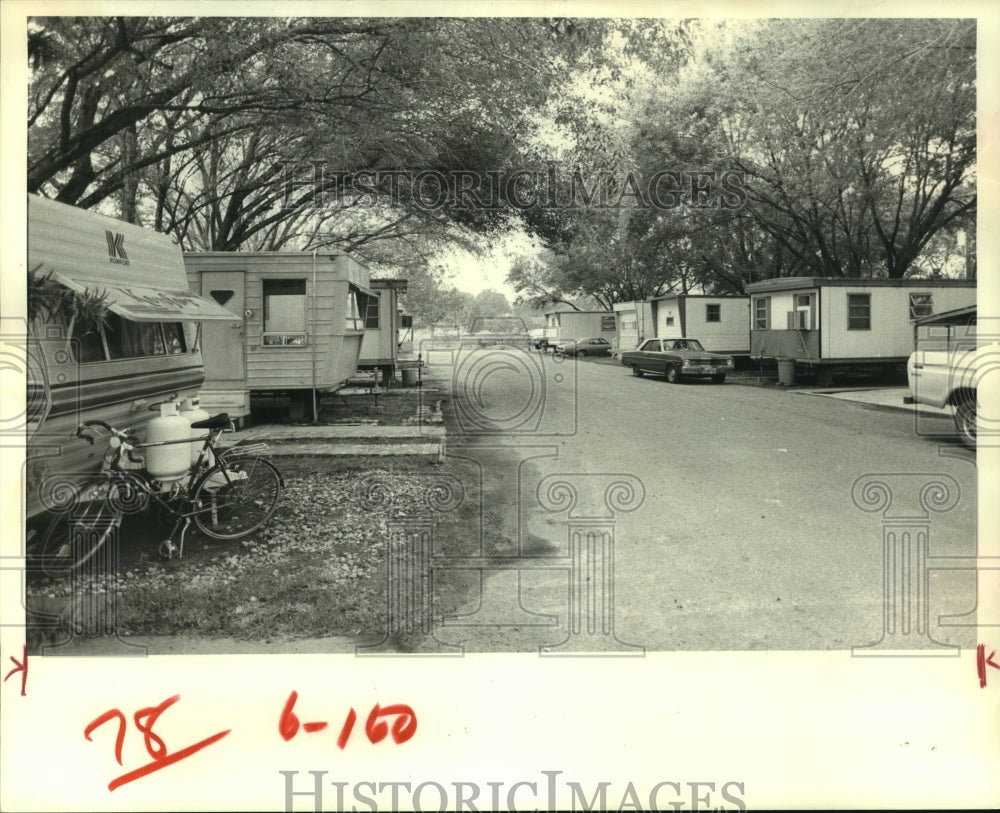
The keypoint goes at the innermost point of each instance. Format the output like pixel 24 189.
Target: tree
pixel 188 123
pixel 857 137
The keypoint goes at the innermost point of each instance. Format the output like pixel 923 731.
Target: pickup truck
pixel 675 359
pixel 542 338
pixel 491 331
pixel 949 377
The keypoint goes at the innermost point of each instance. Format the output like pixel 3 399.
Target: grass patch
pixel 317 569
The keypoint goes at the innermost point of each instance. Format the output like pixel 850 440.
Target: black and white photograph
pixel 521 407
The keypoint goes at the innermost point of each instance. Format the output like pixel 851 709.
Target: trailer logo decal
pixel 116 247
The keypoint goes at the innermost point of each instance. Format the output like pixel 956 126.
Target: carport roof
pixel 956 316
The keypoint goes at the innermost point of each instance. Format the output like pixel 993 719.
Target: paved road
pixel 747 536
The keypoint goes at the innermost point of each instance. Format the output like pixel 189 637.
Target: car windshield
pixel 685 344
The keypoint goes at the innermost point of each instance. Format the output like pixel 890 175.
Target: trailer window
pixel 859 312
pixel 921 305
pixel 173 334
pixel 369 304
pixel 120 338
pixel 284 312
pixel 128 339
pixel 88 345
pixel 713 313
pixel 762 312
pixel 353 320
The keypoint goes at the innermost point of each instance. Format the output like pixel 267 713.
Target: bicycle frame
pixel 179 495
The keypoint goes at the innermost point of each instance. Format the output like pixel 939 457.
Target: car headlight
pixel 729 362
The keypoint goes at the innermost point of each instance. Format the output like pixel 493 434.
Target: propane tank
pixel 170 461
pixel 191 409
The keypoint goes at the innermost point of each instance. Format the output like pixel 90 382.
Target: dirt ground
pixel 312 579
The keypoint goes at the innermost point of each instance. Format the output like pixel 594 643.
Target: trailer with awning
pixel 114 330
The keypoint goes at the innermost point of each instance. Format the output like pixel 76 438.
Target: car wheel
pixel 673 376
pixel 636 371
pixel 965 420
pixel 718 379
pixel 582 354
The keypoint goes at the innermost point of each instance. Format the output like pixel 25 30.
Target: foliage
pixel 49 300
pixel 853 143
pixel 189 124
pixel 857 137
pixel 854 140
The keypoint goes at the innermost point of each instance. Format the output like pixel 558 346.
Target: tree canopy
pixel 667 155
pixel 849 147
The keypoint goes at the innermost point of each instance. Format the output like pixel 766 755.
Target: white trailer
pixel 300 326
pixel 386 327
pixel 633 323
pixel 720 323
pixel 825 323
pixel 578 325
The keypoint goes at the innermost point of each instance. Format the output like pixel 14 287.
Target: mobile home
pixel 824 323
pixel 720 323
pixel 578 325
pixel 633 323
pixel 386 329
pixel 138 344
pixel 300 330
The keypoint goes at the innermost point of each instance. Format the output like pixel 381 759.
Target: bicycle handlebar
pixel 103 425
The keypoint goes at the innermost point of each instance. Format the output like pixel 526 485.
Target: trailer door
pixel 223 346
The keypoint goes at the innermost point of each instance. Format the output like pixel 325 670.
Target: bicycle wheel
pixel 236 497
pixel 72 537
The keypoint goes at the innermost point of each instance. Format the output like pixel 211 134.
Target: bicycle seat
pixel 220 421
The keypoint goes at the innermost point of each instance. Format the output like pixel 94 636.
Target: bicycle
pixel 228 492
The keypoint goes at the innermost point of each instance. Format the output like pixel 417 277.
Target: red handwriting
pixel 145 719
pixel 404 726
pixel 22 667
pixel 982 661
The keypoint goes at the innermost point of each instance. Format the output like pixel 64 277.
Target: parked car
pixel 948 377
pixel 595 346
pixel 677 358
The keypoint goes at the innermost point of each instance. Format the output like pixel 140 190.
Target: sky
pixel 474 273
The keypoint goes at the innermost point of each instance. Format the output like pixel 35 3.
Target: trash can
pixel 786 372
pixel 409 376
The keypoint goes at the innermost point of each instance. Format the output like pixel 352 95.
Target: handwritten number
pixel 403 727
pixel 145 719
pixel 155 746
pixel 345 732
pixel 288 723
pixel 111 714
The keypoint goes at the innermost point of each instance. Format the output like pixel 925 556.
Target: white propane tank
pixel 170 461
pixel 191 409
